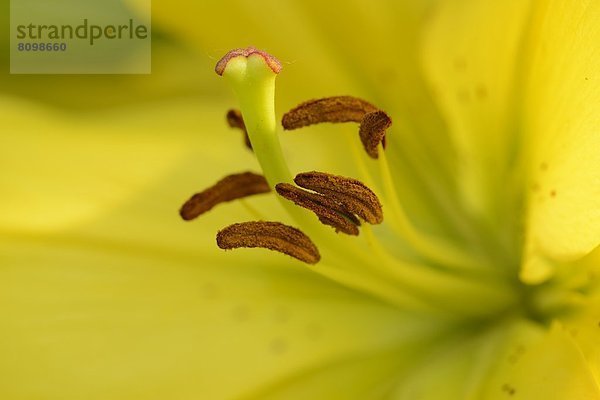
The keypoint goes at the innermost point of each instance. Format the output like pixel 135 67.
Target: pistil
pixel 251 74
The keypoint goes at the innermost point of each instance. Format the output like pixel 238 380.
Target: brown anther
pixel 372 131
pixel 230 188
pixel 271 61
pixel 355 196
pixel 329 109
pixel 269 235
pixel 235 120
pixel 373 122
pixel 328 210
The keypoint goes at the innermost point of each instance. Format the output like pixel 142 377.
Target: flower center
pixel 412 270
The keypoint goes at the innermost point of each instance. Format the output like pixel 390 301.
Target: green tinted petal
pixel 562 114
pixel 462 365
pixel 364 377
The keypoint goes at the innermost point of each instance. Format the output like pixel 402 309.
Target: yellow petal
pixel 584 327
pixel 552 368
pixel 562 114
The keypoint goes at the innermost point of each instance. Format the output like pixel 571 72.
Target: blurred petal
pixel 563 115
pixel 63 169
pixel 86 318
pixel 470 56
pixel 277 27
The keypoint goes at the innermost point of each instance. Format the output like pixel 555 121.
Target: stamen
pixel 356 197
pixel 230 188
pixel 235 120
pixel 373 122
pixel 328 210
pixel 329 109
pixel 269 235
pixel 372 131
pixel 271 61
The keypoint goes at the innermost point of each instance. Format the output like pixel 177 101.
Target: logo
pixel 80 37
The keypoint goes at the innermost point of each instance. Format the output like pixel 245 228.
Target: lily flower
pixel 435 242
